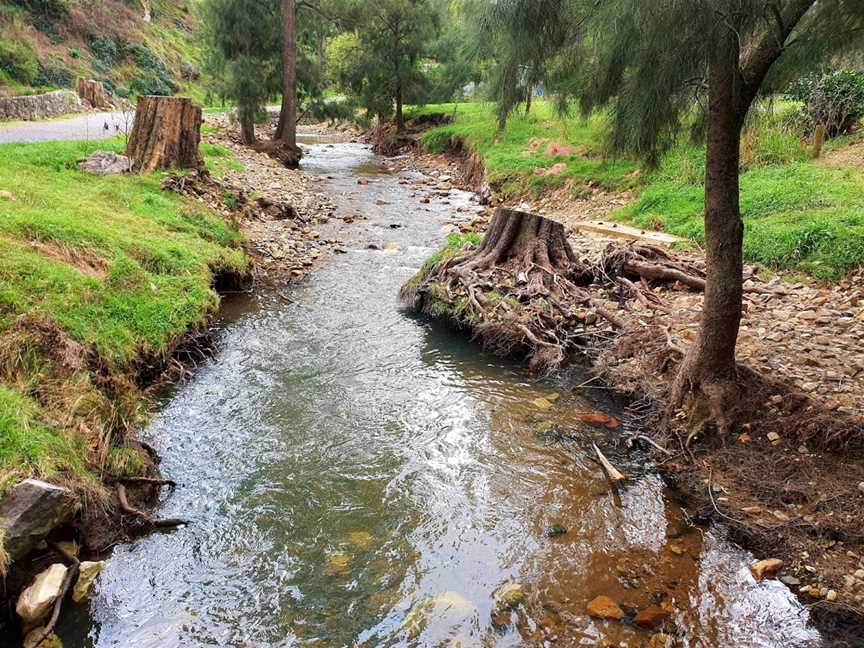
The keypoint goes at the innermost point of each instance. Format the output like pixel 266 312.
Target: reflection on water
pixel 357 477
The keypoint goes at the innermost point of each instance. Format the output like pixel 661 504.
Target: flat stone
pixel 604 607
pixel 36 600
pixel 508 597
pixel 30 511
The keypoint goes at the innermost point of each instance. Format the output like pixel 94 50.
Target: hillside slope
pixel 135 46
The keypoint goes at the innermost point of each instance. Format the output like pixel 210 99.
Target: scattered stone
pixel 604 607
pixel 773 437
pixel 89 571
pixel 30 511
pixel 861 487
pixel 104 163
pixel 392 246
pixel 35 602
pixel 652 617
pixel 554 531
pixel 831 596
pixel 766 568
pixel 791 581
pixel 677 549
pixel 362 181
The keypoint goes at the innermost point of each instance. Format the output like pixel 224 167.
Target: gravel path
pixel 87 126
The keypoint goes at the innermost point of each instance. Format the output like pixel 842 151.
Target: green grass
pixel 120 265
pixel 30 448
pixel 799 215
pixel 513 158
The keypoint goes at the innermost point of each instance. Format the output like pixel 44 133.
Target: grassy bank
pixel 798 214
pixel 99 277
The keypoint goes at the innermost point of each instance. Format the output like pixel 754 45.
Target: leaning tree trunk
pixel 285 139
pixel 166 134
pixel 709 370
pixel 93 92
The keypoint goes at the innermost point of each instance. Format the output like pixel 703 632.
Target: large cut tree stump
pixel 166 134
pixel 93 92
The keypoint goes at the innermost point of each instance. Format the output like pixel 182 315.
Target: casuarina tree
pixel 655 63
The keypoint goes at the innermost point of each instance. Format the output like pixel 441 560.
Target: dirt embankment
pixel 789 483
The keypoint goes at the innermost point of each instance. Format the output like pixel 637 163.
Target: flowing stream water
pixel 358 477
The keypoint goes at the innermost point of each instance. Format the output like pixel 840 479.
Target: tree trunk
pixel 93 92
pixel 400 116
pixel 285 138
pixel 529 95
pixel 247 129
pixel 709 368
pixel 166 134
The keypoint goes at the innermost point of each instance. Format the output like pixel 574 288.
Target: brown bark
pixel 285 138
pixel 247 130
pixel 93 92
pixel 709 369
pixel 400 113
pixel 166 134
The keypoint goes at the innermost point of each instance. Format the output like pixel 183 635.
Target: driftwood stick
pixel 145 517
pixel 615 476
pixel 71 577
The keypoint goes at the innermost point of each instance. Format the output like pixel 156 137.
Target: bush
pixel 835 99
pixel 51 9
pixel 53 77
pixel 74 53
pixel 156 79
pixel 104 49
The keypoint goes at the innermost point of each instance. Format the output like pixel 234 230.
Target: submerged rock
pixel 652 617
pixel 554 531
pixel 87 576
pixel 51 641
pixel 35 602
pixel 29 512
pixel 448 606
pixel 508 597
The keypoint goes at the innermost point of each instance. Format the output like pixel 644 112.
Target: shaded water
pixel 356 477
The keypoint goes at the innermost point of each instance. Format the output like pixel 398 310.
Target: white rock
pixel 86 578
pixel 35 602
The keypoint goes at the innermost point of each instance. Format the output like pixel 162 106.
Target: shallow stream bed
pixel 358 477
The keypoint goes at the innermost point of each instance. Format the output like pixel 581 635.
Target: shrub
pixel 156 78
pixel 51 9
pixel 53 77
pixel 74 53
pixel 835 99
pixel 104 49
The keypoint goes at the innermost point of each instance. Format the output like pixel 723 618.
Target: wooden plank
pixel 619 230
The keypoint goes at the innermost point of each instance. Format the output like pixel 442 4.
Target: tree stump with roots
pixel 166 134
pixel 522 288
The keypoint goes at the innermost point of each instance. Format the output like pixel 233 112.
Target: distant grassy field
pixel 798 214
pixel 96 275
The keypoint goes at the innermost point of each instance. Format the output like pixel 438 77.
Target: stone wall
pixel 52 104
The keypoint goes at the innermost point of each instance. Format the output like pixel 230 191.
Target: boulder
pixel 89 571
pixel 30 511
pixel 104 163
pixel 35 602
pixel 603 607
pixel 189 71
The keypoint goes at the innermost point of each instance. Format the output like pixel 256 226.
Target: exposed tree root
pixel 145 518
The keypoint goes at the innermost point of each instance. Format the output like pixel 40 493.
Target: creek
pixel 356 476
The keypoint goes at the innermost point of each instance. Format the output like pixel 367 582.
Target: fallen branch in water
pixel 149 520
pixel 68 579
pixel 615 476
